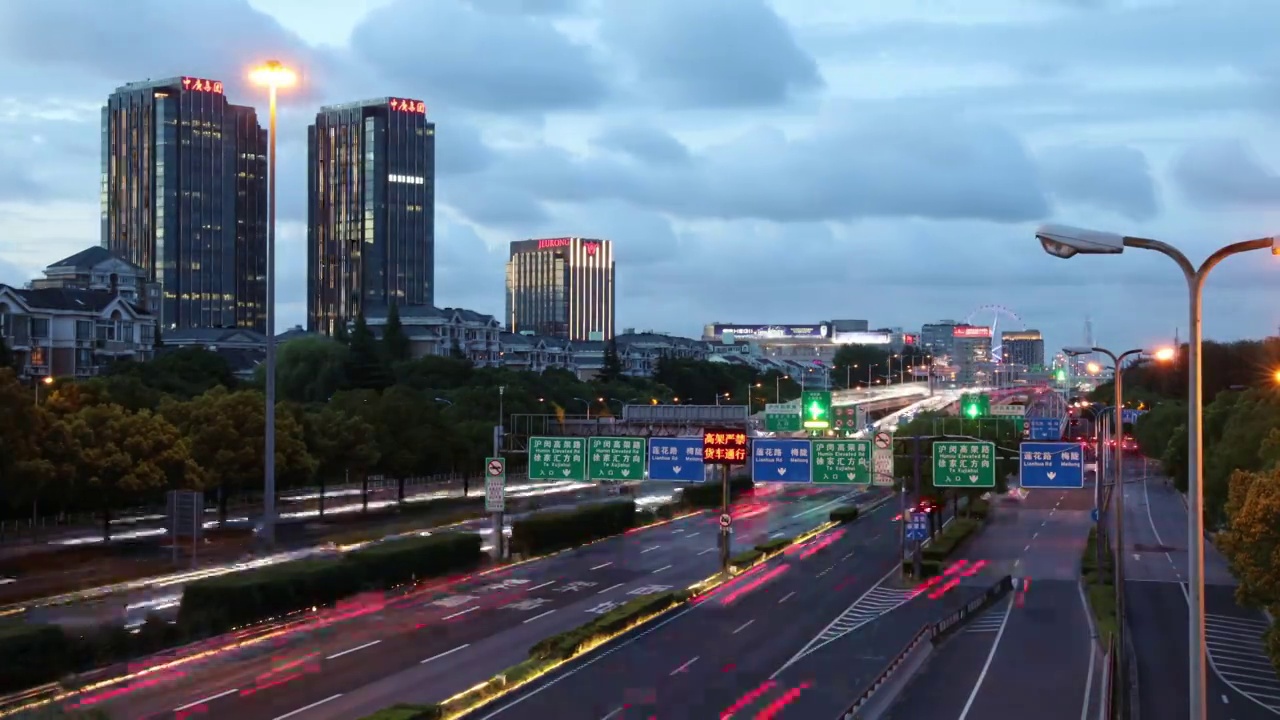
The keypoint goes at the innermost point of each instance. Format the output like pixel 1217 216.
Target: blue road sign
pixel 1044 428
pixel 781 460
pixel 677 459
pixel 917 526
pixel 1094 514
pixel 1052 465
pixel 1129 415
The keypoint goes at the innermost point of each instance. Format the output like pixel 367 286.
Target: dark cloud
pixel 1116 179
pixel 856 167
pixel 485 203
pixel 469 274
pixel 709 53
pixel 644 142
pixel 129 40
pixel 1226 173
pixel 451 53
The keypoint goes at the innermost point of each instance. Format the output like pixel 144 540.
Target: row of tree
pixel 347 408
pixel 1241 432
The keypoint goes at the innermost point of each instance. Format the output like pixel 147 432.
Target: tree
pixel 342 445
pixel 1251 538
pixel 183 372
pixel 6 355
pixel 119 457
pixel 225 431
pixel 310 369
pixel 23 426
pixel 365 369
pixel 395 342
pixel 854 364
pixel 455 350
pixel 611 369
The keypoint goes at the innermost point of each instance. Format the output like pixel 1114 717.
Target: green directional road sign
pixel 964 464
pixel 782 417
pixel 615 458
pixel 553 458
pixel 815 409
pixel 842 461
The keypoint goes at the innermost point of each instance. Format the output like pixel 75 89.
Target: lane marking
pixel 704 552
pixel 539 587
pixel 611 587
pixel 684 667
pixel 458 614
pixel 821 507
pixel 615 712
pixel 535 617
pixel 351 650
pixel 693 534
pixel 603 565
pixel 655 547
pixel 744 626
pixel 784 597
pixel 982 676
pixel 205 701
pixel 664 567
pixel 579 668
pixel 1093 652
pixel 331 698
pixel 446 652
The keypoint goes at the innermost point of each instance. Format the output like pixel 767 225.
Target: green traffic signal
pixel 972 410
pixel 816 411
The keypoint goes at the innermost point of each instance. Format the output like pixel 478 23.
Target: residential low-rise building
pixel 69 332
pixel 446 331
pixel 97 268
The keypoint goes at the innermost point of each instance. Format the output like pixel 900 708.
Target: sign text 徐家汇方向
pixel 723 446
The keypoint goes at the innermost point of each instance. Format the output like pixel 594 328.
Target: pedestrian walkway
pixel 1239 658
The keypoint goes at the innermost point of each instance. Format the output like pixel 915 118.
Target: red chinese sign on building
pixel 721 446
pixel 408 106
pixel 202 85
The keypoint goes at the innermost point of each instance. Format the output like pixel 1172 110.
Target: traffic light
pixel 970 406
pixel 815 409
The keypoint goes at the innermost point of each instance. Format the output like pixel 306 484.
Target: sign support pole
pixel 916 559
pixel 497 517
pixel 724 511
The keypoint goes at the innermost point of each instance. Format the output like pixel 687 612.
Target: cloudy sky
pixel 753 160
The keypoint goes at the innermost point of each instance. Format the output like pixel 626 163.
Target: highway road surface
pixel 440 641
pixel 1033 653
pixel 1242 683
pixel 725 655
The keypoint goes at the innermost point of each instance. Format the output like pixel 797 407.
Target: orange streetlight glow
pixel 1276 375
pixel 1093 368
pixel 273 75
pixel 1164 354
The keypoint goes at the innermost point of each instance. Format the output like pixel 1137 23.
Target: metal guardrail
pixel 935 633
pixel 851 713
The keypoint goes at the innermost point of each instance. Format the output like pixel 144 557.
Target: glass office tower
pixel 184 194
pixel 561 287
pixel 370 210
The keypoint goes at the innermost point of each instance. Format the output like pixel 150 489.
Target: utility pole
pixel 499 540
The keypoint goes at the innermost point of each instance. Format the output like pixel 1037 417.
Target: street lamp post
pixel 1065 242
pixel 273 76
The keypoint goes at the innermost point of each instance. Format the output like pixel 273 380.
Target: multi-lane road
pixel 1033 653
pixel 1242 682
pixel 445 639
pixel 798 638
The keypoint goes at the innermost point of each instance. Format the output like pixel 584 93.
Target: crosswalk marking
pixel 988 623
pixel 1238 656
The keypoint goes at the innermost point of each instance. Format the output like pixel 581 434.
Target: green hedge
pixel 745 558
pixel 407 712
pixel 219 604
pixel 556 530
pixel 978 509
pixel 951 537
pixel 769 547
pixel 711 494
pixel 928 568
pixel 844 514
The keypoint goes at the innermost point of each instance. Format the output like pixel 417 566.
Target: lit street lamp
pixel 1065 242
pixel 273 76
pixel 47 380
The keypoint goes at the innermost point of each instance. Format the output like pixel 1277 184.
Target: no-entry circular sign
pixel 883 440
pixel 495 467
pixel 726 520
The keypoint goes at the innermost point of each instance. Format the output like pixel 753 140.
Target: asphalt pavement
pixel 440 641
pixel 732 654
pixel 1032 654
pixel 1243 685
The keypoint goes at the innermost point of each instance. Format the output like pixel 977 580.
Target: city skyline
pixel 556 147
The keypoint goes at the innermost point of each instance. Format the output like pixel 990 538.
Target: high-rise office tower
pixel 371 169
pixel 562 287
pixel 1022 347
pixel 184 196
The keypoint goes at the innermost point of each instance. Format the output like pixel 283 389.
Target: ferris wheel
pixel 1000 319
